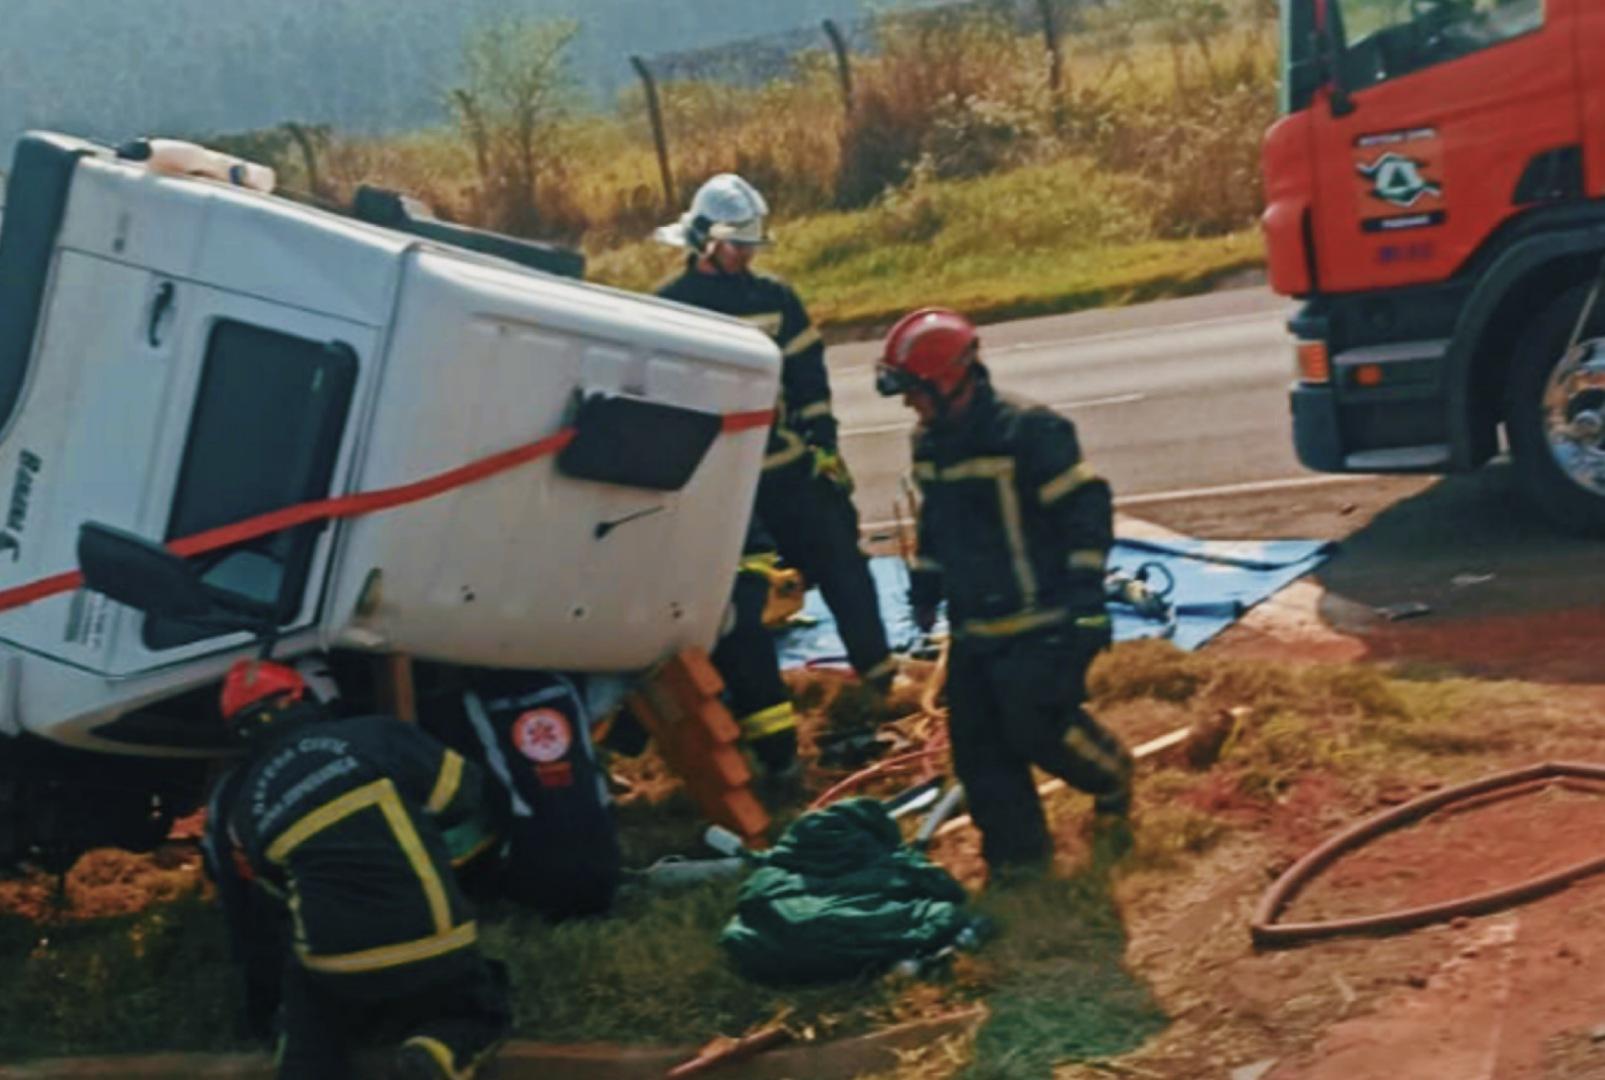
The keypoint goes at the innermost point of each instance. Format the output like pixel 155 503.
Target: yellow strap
pixel 1012 625
pixel 1088 559
pixel 1093 622
pixel 451 775
pixel 805 338
pixel 389 956
pixel 770 721
pixel 924 471
pixel 1066 482
pixel 814 410
pixel 925 565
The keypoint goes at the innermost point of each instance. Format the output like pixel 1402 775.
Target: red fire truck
pixel 1436 196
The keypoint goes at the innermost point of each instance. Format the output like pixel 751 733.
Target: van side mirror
pixel 140 573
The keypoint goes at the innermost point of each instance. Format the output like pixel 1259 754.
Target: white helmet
pixel 724 208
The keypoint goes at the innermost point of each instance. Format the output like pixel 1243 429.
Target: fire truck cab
pixel 1436 196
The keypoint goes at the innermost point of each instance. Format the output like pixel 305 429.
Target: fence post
pixel 656 114
pixel 844 67
pixel 1050 36
pixel 309 155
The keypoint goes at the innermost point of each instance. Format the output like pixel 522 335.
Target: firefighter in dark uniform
pixel 342 825
pixel 805 494
pixel 1014 532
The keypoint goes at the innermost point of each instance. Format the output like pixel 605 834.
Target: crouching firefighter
pixel 329 841
pixel 1014 531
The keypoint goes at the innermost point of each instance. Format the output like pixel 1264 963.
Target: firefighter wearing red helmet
pixel 804 497
pixel 1014 530
pixel 329 850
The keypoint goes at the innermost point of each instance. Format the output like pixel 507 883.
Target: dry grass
pixel 1351 721
pixel 957 178
pixel 949 97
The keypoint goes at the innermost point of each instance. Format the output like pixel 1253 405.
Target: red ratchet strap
pixel 348 506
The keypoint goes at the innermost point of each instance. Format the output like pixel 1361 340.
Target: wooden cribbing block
pixel 393 683
pixel 700 741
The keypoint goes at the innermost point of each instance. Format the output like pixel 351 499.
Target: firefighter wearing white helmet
pixel 724 208
pixel 805 495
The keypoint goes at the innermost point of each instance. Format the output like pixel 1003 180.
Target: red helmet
pixel 260 685
pixel 930 349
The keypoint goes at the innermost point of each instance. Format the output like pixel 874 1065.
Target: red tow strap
pixel 348 506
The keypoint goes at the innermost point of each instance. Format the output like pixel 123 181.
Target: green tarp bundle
pixel 839 895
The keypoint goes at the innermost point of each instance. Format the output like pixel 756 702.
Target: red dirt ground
pixel 1515 995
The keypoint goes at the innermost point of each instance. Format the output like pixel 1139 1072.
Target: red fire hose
pixel 1267 933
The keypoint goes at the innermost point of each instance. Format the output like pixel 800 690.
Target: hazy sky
pixel 109 69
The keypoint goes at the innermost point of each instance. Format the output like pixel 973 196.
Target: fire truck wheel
pixel 1555 415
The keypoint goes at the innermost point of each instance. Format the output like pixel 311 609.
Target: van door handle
pixel 159 307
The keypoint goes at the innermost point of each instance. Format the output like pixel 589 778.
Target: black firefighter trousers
pixel 815 526
pixel 745 659
pixel 1015 703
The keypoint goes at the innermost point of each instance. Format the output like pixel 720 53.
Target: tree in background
pixel 1180 23
pixel 516 90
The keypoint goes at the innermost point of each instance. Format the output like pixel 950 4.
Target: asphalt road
pixel 1182 404
pixel 1168 397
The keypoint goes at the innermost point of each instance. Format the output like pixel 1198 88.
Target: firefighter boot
pixel 423 1057
pixel 1112 837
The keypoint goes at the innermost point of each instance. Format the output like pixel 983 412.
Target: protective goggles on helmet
pixel 895 382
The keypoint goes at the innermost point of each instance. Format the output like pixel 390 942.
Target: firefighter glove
pixel 829 465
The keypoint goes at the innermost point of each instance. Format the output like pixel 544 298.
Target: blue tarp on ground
pixel 1215 582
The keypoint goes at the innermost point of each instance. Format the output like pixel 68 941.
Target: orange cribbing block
pixel 700 741
pixel 690 675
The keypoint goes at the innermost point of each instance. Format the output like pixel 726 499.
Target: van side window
pixel 1387 39
pixel 268 419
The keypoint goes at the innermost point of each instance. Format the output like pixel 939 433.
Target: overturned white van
pixel 177 355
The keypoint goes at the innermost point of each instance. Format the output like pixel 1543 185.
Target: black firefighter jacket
pixel 803 416
pixel 1014 527
pixel 343 818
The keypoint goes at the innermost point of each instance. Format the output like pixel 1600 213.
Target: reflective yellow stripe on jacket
pixel 381 794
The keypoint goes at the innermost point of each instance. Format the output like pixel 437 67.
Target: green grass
pixel 1038 240
pixel 157 980
pixel 1058 988
pixel 653 973
pixel 1053 981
